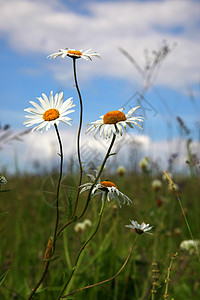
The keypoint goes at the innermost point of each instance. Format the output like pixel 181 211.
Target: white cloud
pixel 43 148
pixel 45 26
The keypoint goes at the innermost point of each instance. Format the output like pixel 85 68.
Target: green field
pixel 30 221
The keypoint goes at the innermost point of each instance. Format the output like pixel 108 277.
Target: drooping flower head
pixel 107 187
pixel 143 228
pixel 114 122
pixel 50 111
pixel 2 180
pixel 87 55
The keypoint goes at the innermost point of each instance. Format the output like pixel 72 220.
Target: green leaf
pixel 41 290
pixel 3 277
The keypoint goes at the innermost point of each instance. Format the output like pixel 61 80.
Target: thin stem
pixel 84 245
pixel 99 174
pixel 78 138
pixel 81 118
pixel 40 281
pixel 109 279
pixel 167 280
pixel 58 187
pixel 47 263
pixel 78 148
pixel 90 191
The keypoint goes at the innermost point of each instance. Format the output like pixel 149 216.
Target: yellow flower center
pixel 113 117
pixel 107 183
pixel 51 114
pixel 74 52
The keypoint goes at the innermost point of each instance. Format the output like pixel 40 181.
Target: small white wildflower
pixel 121 171
pixel 156 185
pixel 143 228
pixel 79 227
pixel 175 187
pixel 164 178
pixel 143 164
pixel 87 223
pixel 190 246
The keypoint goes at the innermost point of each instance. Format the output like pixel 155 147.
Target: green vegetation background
pixel 25 230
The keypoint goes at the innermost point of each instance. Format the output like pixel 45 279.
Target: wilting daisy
pixel 114 121
pixel 50 111
pixel 107 187
pixel 2 180
pixel 74 54
pixel 143 228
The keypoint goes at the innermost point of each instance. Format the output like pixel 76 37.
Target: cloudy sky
pixel 31 30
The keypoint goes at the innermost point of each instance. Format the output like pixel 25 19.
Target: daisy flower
pixel 139 228
pixel 74 54
pixel 114 121
pixel 50 111
pixel 2 180
pixel 107 187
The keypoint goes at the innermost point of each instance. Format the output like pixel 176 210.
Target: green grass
pixel 25 230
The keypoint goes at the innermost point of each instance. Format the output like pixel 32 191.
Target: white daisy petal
pixel 87 55
pixel 51 111
pixel 115 121
pixel 107 187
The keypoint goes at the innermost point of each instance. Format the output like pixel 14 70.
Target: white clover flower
pixel 87 55
pixel 50 111
pixel 87 223
pixel 79 227
pixel 2 179
pixel 190 246
pixel 107 187
pixel 156 185
pixel 121 171
pixel 143 228
pixel 114 121
pixel 173 188
pixel 143 164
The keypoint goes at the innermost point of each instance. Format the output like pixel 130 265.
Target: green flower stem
pixel 78 138
pixel 109 279
pixel 58 187
pixel 83 247
pixel 40 281
pixel 78 149
pixel 90 191
pixel 47 263
pixel 99 174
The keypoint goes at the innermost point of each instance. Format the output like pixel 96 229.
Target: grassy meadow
pixel 30 222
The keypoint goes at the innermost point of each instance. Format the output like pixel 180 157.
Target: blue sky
pixel 31 30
